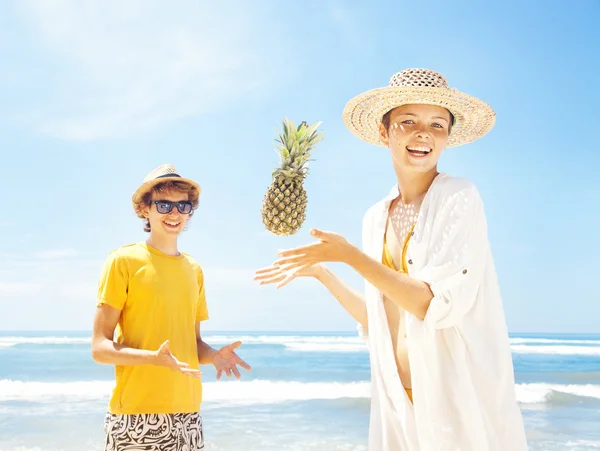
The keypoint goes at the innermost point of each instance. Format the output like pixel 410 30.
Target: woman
pixel 441 368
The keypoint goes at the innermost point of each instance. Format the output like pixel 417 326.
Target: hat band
pixel 168 175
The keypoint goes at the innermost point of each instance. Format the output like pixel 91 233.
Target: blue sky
pixel 96 94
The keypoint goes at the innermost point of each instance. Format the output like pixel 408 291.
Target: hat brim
pixel 473 117
pixel 147 186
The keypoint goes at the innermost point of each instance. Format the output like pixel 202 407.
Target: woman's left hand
pixel 331 247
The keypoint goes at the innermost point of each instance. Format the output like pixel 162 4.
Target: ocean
pixel 307 391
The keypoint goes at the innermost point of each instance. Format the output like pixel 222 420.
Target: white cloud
pixel 129 66
pixel 56 254
pixel 62 293
pixel 78 291
pixel 231 275
pixel 19 289
pixel 350 24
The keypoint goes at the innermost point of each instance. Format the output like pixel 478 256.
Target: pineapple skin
pixel 284 207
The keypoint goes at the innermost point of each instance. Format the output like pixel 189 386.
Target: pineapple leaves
pixel 294 146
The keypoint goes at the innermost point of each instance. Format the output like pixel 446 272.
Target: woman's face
pixel 417 136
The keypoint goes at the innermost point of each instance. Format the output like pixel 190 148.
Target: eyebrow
pixel 414 115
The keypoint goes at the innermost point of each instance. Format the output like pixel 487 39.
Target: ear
pixel 383 135
pixel 145 210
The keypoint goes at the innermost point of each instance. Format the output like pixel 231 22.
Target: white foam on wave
pixel 220 339
pixel 260 391
pixel 7 342
pixel 556 350
pixel 539 393
pixel 294 343
pixel 524 341
pixel 283 339
pixel 322 347
pixel 299 343
pixel 318 343
pixel 574 445
pixel 257 391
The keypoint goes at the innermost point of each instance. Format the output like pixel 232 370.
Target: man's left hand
pixel 226 360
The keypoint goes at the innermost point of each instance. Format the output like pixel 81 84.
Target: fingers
pixel 164 348
pixel 263 271
pixel 318 233
pixel 292 273
pixel 275 279
pixel 244 365
pixel 268 273
pixel 300 265
pixel 191 372
pixel 282 279
pixel 276 276
pixel 282 269
pixel 285 282
pixel 307 248
pixel 231 369
pixel 235 345
pixel 285 261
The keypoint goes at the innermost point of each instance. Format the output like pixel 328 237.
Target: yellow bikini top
pixel 387 259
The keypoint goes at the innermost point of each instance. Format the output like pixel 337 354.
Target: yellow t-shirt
pixel 161 297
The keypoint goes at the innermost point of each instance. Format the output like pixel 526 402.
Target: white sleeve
pixel 363 332
pixel 456 256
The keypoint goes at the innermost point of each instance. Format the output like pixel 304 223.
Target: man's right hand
pixel 281 275
pixel 163 357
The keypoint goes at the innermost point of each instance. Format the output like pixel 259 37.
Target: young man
pixel 153 296
pixel 441 368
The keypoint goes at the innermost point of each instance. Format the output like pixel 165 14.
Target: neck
pixel 165 244
pixel 413 186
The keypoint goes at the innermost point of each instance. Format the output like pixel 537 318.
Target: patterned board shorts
pixel 154 432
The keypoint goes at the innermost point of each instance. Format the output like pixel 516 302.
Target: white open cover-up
pixel 460 358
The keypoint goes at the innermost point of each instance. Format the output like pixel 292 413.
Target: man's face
pixel 164 222
pixel 417 136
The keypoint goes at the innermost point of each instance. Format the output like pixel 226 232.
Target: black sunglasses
pixel 165 206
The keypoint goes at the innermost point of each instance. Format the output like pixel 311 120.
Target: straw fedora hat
pixel 473 117
pixel 160 174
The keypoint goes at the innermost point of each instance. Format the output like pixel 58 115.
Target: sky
pixel 94 95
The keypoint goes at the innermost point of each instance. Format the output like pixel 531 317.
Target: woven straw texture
pixel 156 176
pixel 473 117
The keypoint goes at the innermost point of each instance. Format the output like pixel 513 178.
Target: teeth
pixel 172 223
pixel 420 149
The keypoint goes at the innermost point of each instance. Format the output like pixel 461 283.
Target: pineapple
pixel 284 205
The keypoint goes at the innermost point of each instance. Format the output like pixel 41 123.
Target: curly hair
pixel 166 186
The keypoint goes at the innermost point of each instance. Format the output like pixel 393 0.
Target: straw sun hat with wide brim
pixel 473 118
pixel 161 174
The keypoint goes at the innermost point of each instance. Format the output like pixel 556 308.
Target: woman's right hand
pixel 282 276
